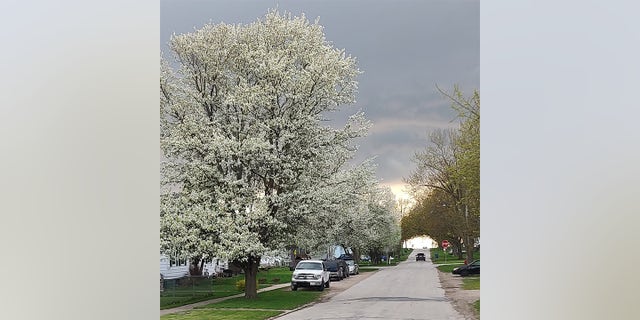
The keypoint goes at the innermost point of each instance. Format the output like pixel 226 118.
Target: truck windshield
pixel 309 266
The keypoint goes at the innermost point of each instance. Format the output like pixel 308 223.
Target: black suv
pixel 338 269
pixel 420 256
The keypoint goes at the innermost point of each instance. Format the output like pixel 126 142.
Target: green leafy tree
pixel 451 164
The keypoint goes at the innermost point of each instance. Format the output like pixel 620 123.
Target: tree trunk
pixel 457 250
pixel 251 278
pixel 356 255
pixel 457 246
pixel 468 244
pixel 195 266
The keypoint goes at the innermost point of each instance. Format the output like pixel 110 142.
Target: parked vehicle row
pixel 318 273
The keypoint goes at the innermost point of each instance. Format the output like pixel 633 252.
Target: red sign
pixel 445 243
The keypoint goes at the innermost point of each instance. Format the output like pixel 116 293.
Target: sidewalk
pixel 202 303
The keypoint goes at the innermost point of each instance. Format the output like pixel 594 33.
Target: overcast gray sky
pixel 404 49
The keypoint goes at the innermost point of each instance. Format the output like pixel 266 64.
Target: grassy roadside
pixel 476 305
pixel 449 267
pixel 471 283
pixel 208 289
pixel 282 299
pixel 448 258
pixel 268 304
pixel 216 314
pixel 452 262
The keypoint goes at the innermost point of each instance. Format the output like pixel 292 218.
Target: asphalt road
pixel 411 290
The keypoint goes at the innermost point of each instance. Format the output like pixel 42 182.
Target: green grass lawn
pixel 404 254
pixel 218 314
pixel 201 290
pixel 207 289
pixel 277 300
pixel 476 305
pixel 273 274
pixel 282 299
pixel 449 268
pixel 449 258
pixel 471 283
pixel 367 269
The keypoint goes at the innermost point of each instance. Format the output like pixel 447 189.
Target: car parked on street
pixel 353 266
pixel 471 268
pixel 310 273
pixel 338 269
pixel 420 257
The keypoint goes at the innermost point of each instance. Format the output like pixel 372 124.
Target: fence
pixel 187 286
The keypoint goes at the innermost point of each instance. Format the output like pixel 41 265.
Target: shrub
pixel 262 280
pixel 240 285
pixel 275 280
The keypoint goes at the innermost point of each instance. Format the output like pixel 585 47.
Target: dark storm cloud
pixel 404 48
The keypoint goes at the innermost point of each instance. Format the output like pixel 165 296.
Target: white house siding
pixel 215 266
pixel 172 272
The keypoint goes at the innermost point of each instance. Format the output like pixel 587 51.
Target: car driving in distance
pixel 420 257
pixel 310 273
pixel 471 268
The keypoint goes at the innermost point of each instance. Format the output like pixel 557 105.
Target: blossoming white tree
pixel 242 129
pixel 352 210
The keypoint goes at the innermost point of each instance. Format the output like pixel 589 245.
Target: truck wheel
pixel 326 284
pixel 321 287
pixel 294 288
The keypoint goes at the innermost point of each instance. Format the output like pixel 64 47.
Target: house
pixel 176 268
pixel 173 268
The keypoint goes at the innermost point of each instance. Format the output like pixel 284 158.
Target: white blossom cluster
pixel 353 210
pixel 250 161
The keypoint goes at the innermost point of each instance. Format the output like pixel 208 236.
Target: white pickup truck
pixel 310 273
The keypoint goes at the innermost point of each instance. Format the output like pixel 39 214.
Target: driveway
pixel 411 290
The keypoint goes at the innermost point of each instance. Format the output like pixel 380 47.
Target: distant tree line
pixel 446 181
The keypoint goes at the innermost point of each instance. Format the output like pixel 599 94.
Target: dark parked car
pixel 471 268
pixel 353 267
pixel 338 269
pixel 420 256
